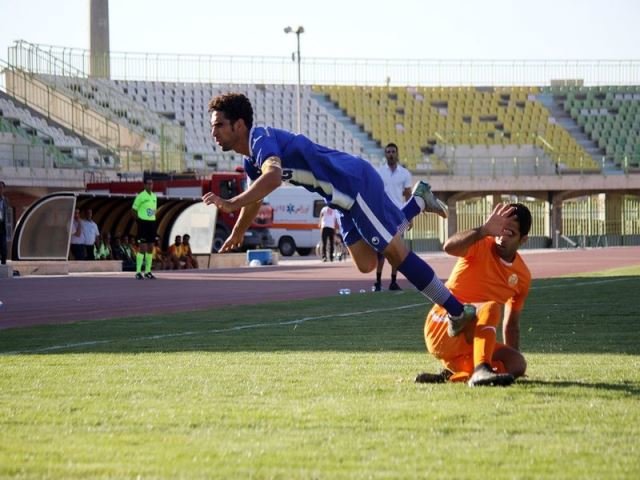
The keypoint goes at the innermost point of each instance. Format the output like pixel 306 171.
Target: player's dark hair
pixel 523 215
pixel 392 145
pixel 235 106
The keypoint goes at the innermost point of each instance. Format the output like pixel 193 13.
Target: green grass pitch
pixel 324 389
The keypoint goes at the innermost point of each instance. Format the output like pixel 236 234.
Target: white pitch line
pixel 215 330
pixel 272 324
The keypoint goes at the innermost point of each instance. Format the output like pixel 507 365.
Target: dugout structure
pixel 44 230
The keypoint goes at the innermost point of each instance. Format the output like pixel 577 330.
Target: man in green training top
pixel 144 211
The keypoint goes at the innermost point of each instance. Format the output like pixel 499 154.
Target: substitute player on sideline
pixel 144 211
pixel 371 222
pixel 489 272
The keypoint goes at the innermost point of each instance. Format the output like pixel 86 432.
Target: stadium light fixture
pixel 297 31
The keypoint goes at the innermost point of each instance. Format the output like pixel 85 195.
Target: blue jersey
pixel 335 175
pixel 347 183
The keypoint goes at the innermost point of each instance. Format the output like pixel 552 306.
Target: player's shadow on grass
pixel 624 387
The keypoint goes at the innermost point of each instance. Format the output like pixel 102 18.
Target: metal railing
pixel 327 71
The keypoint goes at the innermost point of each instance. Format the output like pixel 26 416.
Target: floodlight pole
pixel 297 31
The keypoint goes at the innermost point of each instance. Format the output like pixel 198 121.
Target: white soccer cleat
pixel 432 204
pixel 457 324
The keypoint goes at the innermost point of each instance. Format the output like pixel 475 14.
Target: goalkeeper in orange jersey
pixel 491 274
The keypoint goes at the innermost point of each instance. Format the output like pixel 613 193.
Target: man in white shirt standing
pixel 328 226
pixel 78 250
pixel 397 185
pixel 90 233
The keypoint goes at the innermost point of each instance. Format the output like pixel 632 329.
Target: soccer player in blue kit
pixel 370 221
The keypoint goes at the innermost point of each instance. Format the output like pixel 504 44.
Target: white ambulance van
pixel 296 218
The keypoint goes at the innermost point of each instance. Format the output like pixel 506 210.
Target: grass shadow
pixel 624 387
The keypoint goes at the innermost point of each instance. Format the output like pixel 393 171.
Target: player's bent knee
pixel 512 360
pixel 516 365
pixel 489 313
pixel 519 367
pixel 363 256
pixel 492 309
pixel 366 265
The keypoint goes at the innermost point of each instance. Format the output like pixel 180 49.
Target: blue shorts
pixel 373 217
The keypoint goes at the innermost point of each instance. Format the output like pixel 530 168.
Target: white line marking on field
pixel 295 322
pixel 272 324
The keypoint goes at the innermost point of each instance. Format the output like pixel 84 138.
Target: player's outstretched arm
pixel 263 186
pixel 511 328
pixel 500 222
pixel 245 219
pixel 267 182
pixel 232 242
pixel 211 198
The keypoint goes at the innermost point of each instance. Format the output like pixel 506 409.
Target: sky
pixel 396 29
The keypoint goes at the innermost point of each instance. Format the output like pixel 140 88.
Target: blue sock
pixel 422 276
pixel 411 209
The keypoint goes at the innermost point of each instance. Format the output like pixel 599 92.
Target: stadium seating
pixel 428 122
pixel 186 104
pixel 22 146
pixel 431 125
pixel 153 107
pixel 33 129
pixel 609 115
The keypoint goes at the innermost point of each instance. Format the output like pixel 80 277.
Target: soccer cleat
pixel 393 286
pixel 484 376
pixel 457 324
pixel 139 276
pixel 432 204
pixel 426 377
pixel 149 275
pixel 377 287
